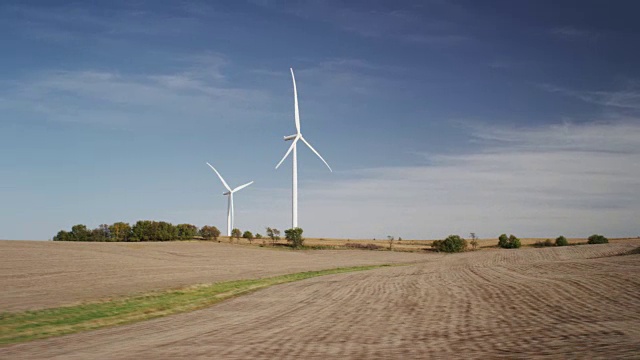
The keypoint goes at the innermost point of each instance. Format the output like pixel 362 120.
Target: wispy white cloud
pixel 545 181
pixel 629 98
pixel 197 93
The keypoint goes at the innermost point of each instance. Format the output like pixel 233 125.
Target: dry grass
pixel 412 245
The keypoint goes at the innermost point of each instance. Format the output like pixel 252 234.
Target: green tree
pixel 62 236
pixel 209 232
pixel 597 239
pixel 258 236
pixel 142 231
pixel 273 234
pixel 248 235
pixel 236 233
pixel 80 233
pixel 100 234
pixel 163 231
pixel 186 231
pixel 510 242
pixel 561 241
pixel 294 237
pixel 120 231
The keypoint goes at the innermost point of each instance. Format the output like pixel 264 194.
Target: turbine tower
pixel 295 138
pixel 230 216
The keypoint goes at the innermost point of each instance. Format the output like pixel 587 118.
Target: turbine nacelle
pixel 290 137
pixel 226 193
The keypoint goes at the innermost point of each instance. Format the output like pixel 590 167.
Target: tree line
pixel 148 230
pixel 143 230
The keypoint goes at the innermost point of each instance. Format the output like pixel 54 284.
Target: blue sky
pixel 438 117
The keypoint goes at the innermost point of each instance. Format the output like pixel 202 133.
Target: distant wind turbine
pixel 230 216
pixel 295 138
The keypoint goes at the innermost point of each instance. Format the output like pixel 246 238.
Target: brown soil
pixel 569 302
pixel 41 274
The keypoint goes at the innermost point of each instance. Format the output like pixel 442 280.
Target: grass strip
pixel 39 324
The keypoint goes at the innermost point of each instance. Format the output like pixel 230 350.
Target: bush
pixel 294 237
pixel 561 241
pixel 363 246
pixel 545 243
pixel 597 239
pixel 236 233
pixel 453 243
pixel 510 242
pixel 248 235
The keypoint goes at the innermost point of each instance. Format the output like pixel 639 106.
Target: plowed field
pixel 570 302
pixel 42 274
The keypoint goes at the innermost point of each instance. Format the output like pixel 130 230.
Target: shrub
pixel 453 243
pixel 236 233
pixel 363 246
pixel 249 236
pixel 561 241
pixel 510 242
pixel 597 239
pixel 545 243
pixel 294 237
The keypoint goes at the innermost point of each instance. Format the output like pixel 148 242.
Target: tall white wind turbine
pixel 295 138
pixel 230 216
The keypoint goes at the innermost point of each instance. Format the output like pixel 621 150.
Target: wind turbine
pixel 295 138
pixel 230 192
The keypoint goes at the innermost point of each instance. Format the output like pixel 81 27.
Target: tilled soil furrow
pixel 531 303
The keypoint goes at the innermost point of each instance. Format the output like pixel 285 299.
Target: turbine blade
pixel 220 176
pixel 317 153
pixel 242 186
pixel 295 102
pixel 288 151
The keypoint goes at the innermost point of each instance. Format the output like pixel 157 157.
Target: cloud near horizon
pixel 566 179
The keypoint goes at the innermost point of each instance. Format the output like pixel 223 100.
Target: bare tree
pixel 474 241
